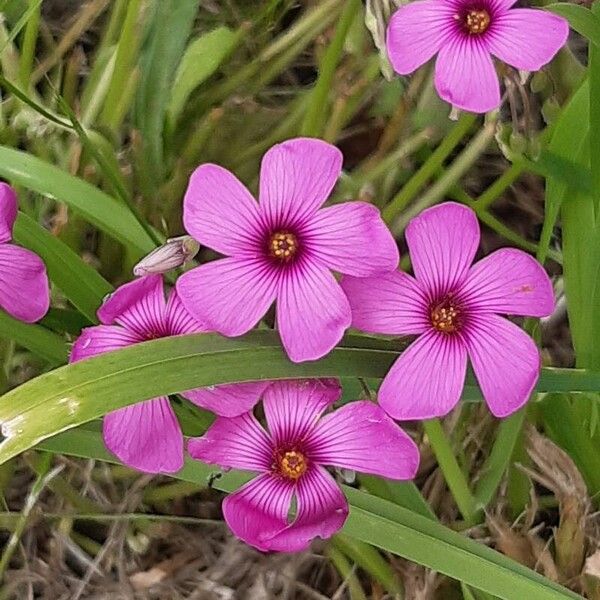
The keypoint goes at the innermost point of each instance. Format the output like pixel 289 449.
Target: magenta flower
pixel 290 458
pixel 465 34
pixel 283 248
pixel 453 307
pixel 146 435
pixel 24 287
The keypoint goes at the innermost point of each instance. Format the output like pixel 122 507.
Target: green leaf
pixel 84 391
pixel 201 59
pixel 83 286
pixel 581 19
pixel 379 523
pixel 100 209
pixel 45 344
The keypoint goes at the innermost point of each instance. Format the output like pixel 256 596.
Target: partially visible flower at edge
pixel 465 34
pixel 24 286
pixel 290 460
pixel 453 307
pixel 147 435
pixel 282 248
pixel 175 252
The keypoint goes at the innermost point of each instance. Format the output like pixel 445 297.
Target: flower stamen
pixel 283 245
pixel 292 464
pixel 445 316
pixel 477 21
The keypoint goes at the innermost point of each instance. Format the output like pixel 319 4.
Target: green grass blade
pixel 83 286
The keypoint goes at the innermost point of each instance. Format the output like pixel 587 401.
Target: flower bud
pixel 174 253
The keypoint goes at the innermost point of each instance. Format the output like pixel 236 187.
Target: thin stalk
pixel 315 118
pixel 29 42
pixel 455 478
pixel 429 168
pixel 347 572
pixel 499 186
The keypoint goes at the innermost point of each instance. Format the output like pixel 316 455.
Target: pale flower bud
pixel 174 253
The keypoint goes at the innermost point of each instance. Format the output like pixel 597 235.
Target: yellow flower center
pixel 292 464
pixel 283 245
pixel 477 21
pixel 445 316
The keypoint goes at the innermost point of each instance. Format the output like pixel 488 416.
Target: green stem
pixel 315 118
pixel 453 475
pixel 499 186
pixel 429 168
pixel 29 43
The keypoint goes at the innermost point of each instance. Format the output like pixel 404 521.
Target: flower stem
pixel 453 475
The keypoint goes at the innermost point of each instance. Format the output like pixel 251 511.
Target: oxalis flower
pixel 24 287
pixel 147 435
pixel 290 459
pixel 465 34
pixel 453 307
pixel 283 248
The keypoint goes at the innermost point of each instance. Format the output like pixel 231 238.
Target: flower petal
pixel 101 338
pixel 505 360
pixel 527 38
pixel 352 238
pixel 391 304
pixel 178 321
pixel 24 286
pixel 228 400
pixel 296 177
pixel 465 75
pixel 427 380
pixel 360 436
pixel 322 511
pixel 258 510
pixel 146 436
pixel 416 32
pixel 229 295
pixel 220 212
pixel 312 312
pixel 236 443
pixel 292 408
pixel 442 241
pixel 8 212
pixel 139 306
pixel 509 281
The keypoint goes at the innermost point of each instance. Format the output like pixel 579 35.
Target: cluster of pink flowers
pixel 286 249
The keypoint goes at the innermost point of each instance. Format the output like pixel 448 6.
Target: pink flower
pixel 283 248
pixel 147 436
pixel 290 458
pixel 452 306
pixel 24 287
pixel 465 34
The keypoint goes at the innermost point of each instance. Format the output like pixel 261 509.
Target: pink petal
pixel 427 380
pixel 391 304
pixel 442 241
pixel 352 238
pixel 146 436
pixel 236 443
pixel 505 360
pixel 322 511
pixel 221 213
pixel 139 306
pixel 465 75
pixel 178 321
pixel 292 408
pixel 362 437
pixel 24 286
pixel 228 400
pixel 296 177
pixel 416 32
pixel 312 312
pixel 258 510
pixel 509 281
pixel 229 295
pixel 8 212
pixel 101 338
pixel 527 38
